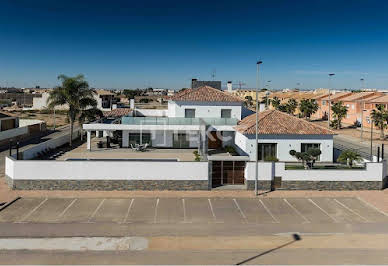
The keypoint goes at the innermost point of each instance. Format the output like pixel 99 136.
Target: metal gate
pixel 227 173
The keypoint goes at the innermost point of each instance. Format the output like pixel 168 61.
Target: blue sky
pixel 125 44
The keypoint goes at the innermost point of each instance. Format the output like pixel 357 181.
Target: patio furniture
pixel 99 144
pixel 136 148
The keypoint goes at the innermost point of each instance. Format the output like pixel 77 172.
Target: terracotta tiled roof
pixel 337 96
pixel 382 99
pixel 119 112
pixel 273 122
pixel 358 96
pixel 205 94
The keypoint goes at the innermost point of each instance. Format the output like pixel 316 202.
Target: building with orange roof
pixel 370 104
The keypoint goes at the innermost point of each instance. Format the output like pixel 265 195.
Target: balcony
pixel 126 120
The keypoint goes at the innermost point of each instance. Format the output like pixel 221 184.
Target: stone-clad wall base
pixel 319 185
pixel 109 185
pixel 261 185
pixel 332 185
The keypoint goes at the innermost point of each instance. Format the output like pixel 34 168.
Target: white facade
pixel 204 109
pixel 284 143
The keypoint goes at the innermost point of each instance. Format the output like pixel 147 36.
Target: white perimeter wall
pixel 89 170
pixel 373 172
pixel 285 143
pixel 50 144
pixel 204 109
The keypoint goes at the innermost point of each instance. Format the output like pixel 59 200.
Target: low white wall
pixel 100 170
pixel 152 112
pixel 267 170
pixel 372 172
pixel 11 133
pixel 50 144
pixel 28 122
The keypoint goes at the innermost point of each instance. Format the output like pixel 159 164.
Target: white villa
pixel 207 118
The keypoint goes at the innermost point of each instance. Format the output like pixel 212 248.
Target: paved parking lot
pixel 192 210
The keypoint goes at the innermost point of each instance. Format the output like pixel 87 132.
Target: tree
pixel 130 94
pixel 88 115
pixel 275 102
pixel 75 93
pixel 339 112
pixel 308 107
pixel 308 158
pixel 348 157
pixel 379 118
pixel 292 104
pixel 248 99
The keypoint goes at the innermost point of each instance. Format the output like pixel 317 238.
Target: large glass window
pixel 134 138
pixel 226 113
pixel 190 113
pixel 266 150
pixel 306 146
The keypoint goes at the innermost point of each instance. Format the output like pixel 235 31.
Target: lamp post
pixel 257 127
pixel 329 102
pixel 371 140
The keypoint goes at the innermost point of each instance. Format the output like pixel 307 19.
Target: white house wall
pixel 204 109
pixel 285 143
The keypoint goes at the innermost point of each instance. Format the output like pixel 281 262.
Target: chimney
pixel 229 86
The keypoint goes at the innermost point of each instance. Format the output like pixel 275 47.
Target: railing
pixel 177 121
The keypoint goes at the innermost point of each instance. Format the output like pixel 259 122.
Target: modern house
pixel 210 119
pixel 278 134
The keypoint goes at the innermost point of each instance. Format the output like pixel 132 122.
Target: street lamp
pixel 257 127
pixel 329 102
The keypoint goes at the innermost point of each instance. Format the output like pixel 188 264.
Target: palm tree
pixel 75 93
pixel 380 117
pixel 308 107
pixel 275 102
pixel 348 157
pixel 339 112
pixel 292 104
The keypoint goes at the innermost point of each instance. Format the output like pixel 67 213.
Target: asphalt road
pixel 193 231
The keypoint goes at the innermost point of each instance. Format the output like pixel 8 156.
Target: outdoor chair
pixel 134 148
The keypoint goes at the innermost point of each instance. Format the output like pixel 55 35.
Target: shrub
pixel 230 149
pixel 197 157
pixel 348 157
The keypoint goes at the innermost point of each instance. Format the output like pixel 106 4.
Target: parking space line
pixel 354 212
pixel 32 211
pixel 269 212
pixel 95 211
pixel 241 212
pixel 298 212
pixel 211 208
pixel 325 212
pixel 129 209
pixel 66 209
pixel 371 206
pixel 156 210
pixel 184 212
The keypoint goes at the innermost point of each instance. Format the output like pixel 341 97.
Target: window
pixel 226 113
pixel 323 102
pixel 306 146
pixel 266 149
pixel 189 113
pixel 134 138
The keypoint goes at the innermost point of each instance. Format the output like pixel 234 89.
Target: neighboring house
pixel 105 101
pixel 323 104
pixel 279 133
pixel 370 105
pixel 355 104
pixel 8 122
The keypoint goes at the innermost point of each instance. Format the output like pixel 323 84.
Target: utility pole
pixel 257 128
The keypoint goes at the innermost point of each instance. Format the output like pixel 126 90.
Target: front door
pixel 214 141
pixel 227 173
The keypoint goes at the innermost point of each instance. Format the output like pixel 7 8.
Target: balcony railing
pixel 177 121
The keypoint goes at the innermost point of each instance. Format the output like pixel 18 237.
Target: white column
pixel 125 138
pixel 89 146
